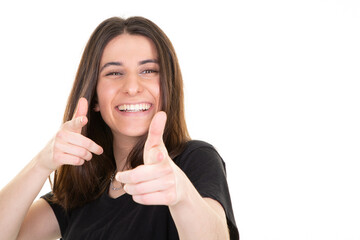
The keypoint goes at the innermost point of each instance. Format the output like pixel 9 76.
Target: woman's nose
pixel 132 85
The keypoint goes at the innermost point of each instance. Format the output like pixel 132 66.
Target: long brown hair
pixel 76 185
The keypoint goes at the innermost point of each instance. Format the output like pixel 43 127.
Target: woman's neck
pixel 122 147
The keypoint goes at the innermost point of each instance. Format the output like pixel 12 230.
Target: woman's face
pixel 128 87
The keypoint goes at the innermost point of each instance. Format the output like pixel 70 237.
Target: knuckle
pixel 170 196
pixel 56 146
pixel 130 189
pixel 170 182
pixel 88 144
pixel 132 177
pixel 138 199
pixel 138 188
pixel 89 156
pixel 167 169
pixel 145 199
pixel 56 156
pixel 60 134
pixel 83 153
pixel 78 161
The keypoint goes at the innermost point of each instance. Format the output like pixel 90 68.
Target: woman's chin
pixel 132 131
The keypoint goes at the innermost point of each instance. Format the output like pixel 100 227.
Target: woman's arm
pixel 67 147
pixel 199 218
pixel 40 223
pixel 17 197
pixel 161 182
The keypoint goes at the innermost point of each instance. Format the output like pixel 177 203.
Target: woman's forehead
pixel 128 48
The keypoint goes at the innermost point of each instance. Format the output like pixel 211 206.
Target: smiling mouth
pixel 141 107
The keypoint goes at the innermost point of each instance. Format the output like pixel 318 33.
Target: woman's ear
pixel 96 107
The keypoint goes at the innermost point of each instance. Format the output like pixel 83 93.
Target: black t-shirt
pixel 122 218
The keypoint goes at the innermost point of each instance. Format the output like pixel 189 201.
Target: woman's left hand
pixel 159 181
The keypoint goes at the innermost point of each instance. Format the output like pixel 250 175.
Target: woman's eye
pixel 150 71
pixel 114 74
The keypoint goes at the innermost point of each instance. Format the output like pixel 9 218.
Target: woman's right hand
pixel 69 146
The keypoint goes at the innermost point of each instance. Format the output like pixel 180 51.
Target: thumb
pixel 156 131
pixel 154 156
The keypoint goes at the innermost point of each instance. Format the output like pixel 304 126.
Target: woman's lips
pixel 137 107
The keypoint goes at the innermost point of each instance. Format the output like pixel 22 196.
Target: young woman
pixel 125 167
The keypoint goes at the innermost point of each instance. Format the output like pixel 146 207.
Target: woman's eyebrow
pixel 148 61
pixel 120 63
pixel 110 64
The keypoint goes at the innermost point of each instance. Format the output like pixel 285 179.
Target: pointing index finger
pixel 81 108
pixel 79 119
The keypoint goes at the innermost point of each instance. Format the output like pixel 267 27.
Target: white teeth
pixel 134 107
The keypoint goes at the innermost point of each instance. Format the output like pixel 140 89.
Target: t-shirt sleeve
pixel 206 170
pixel 60 213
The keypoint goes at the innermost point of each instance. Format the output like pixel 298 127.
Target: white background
pixel 274 85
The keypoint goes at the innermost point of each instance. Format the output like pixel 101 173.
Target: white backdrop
pixel 274 85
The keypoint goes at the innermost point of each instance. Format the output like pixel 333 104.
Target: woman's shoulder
pixel 197 152
pixel 196 144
